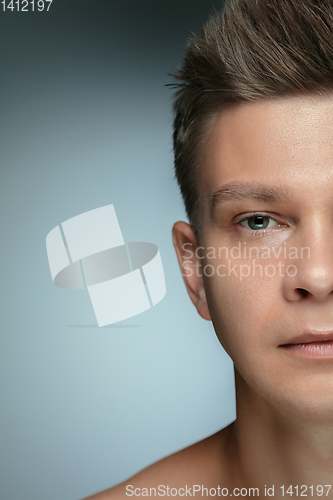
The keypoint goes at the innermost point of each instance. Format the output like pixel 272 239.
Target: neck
pixel 270 447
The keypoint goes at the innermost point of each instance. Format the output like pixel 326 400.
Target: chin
pixel 310 402
pixel 306 397
pixel 316 410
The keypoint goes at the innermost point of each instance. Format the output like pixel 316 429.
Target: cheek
pixel 243 311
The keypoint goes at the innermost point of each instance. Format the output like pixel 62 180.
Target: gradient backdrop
pixel 85 122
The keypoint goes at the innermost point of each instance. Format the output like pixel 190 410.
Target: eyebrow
pixel 246 190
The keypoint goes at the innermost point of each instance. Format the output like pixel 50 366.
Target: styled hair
pixel 251 50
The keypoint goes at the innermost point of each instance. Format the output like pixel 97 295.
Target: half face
pixel 264 269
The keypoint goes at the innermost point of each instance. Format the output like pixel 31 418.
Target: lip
pixel 311 344
pixel 311 337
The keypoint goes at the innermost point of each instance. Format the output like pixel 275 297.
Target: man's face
pixel 266 192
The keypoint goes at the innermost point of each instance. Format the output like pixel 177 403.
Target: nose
pixel 311 273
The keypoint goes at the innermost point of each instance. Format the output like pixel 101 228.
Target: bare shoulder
pixel 200 463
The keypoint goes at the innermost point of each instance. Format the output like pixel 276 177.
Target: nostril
pixel 302 292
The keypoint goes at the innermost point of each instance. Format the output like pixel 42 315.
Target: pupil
pixel 259 221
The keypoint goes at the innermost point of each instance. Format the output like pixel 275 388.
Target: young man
pixel 253 140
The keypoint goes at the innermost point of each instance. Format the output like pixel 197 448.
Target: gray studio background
pixel 85 121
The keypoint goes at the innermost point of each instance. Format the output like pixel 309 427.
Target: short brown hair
pixel 252 50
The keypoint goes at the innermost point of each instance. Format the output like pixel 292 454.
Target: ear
pixel 188 254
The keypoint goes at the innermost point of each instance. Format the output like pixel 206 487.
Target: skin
pixel 283 433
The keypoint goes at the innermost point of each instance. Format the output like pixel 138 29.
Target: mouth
pixel 312 344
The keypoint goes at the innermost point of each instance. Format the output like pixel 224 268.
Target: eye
pixel 258 222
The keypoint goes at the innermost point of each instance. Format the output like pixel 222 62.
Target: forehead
pixel 284 141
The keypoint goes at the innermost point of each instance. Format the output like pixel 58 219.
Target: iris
pixel 258 222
